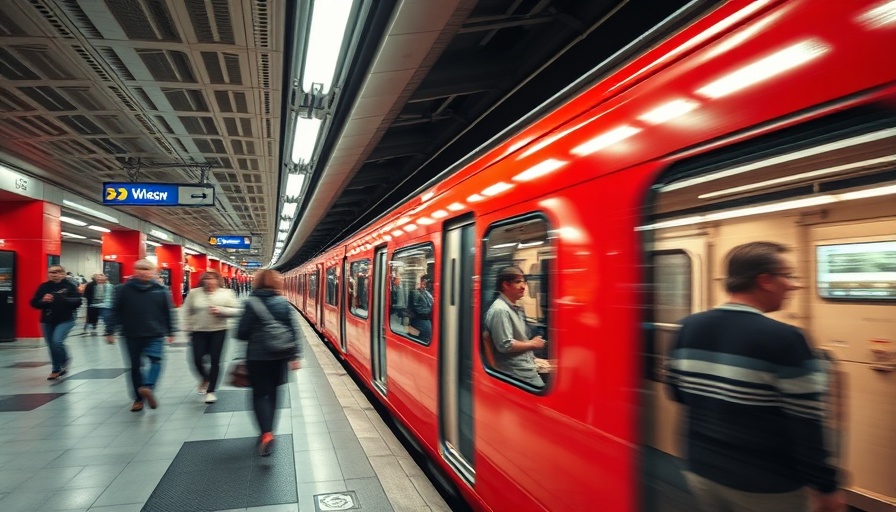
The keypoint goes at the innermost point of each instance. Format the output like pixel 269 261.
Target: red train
pixel 760 120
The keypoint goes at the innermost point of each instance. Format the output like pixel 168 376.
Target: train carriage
pixel 760 120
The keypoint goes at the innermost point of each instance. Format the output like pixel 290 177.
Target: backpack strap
pixel 260 309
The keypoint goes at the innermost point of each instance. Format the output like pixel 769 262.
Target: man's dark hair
pixel 426 277
pixel 507 274
pixel 748 261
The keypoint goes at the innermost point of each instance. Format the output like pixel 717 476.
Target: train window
pixel 313 279
pixel 358 286
pixel 332 292
pixel 518 261
pixel 411 300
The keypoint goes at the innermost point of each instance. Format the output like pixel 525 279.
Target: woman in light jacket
pixel 207 309
pixel 268 371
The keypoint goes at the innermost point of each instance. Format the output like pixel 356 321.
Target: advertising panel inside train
pixel 857 271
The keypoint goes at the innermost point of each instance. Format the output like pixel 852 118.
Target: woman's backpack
pixel 274 337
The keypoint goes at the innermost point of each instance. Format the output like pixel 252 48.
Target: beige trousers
pixel 713 497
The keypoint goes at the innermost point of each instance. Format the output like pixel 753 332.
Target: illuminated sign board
pixel 230 242
pixel 158 194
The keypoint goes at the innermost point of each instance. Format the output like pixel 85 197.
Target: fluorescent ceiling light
pixel 99 228
pixel 289 209
pixel 154 244
pixel 281 237
pixel 425 221
pixel 538 170
pixel 159 234
pixel 763 69
pixel 72 235
pixel 474 198
pixel 304 139
pixel 879 16
pixel 456 206
pixel 95 240
pixel 69 220
pixel 278 245
pixel 501 246
pixel 824 148
pixel 772 207
pixel 668 111
pixel 523 245
pixel 605 140
pixel 75 206
pixel 294 185
pixel 798 177
pixel 285 225
pixel 439 214
pixel 328 29
pixel 496 189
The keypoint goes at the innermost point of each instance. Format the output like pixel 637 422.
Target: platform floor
pixel 74 445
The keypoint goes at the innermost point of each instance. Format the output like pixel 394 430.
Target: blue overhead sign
pixel 230 242
pixel 158 194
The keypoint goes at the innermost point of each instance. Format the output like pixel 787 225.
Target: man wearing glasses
pixel 57 299
pixel 143 309
pixel 753 392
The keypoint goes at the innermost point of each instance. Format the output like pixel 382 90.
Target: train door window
pixel 313 279
pixel 411 293
pixel 518 261
pixel 358 287
pixel 332 287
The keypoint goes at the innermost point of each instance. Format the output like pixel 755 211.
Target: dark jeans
pixel 211 343
pixel 54 335
pixel 265 377
pixel 93 316
pixel 423 325
pixel 151 348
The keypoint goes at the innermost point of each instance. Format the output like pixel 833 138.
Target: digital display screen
pixel 857 271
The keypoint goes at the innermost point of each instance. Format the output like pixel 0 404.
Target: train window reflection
pixel 358 286
pixel 332 292
pixel 411 302
pixel 518 263
pixel 313 279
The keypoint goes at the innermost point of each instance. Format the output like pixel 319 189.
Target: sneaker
pixel 62 372
pixel 138 406
pixel 54 375
pixel 147 394
pixel 203 388
pixel 266 446
pixel 210 398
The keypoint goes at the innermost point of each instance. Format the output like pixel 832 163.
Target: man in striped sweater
pixel 753 392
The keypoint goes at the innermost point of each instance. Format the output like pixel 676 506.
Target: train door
pixel 345 303
pixel 680 270
pixel 322 287
pixel 377 324
pixel 456 351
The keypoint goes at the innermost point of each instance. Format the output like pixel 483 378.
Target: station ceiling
pixel 175 91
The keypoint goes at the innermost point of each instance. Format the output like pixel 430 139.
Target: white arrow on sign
pixel 191 195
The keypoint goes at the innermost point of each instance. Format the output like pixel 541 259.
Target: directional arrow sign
pixel 196 195
pixel 158 194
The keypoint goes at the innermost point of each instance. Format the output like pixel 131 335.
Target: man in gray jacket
pixel 143 309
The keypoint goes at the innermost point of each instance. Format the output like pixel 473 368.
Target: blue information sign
pixel 230 242
pixel 158 194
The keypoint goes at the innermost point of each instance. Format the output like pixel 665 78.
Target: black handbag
pixel 239 374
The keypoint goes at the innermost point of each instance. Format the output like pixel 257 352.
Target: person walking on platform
pixel 207 309
pixel 57 298
pixel 753 392
pixel 98 294
pixel 143 309
pixel 268 365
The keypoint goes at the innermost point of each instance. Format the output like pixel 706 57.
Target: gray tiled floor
pixel 74 445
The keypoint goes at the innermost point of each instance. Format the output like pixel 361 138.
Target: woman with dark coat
pixel 268 371
pixel 58 298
